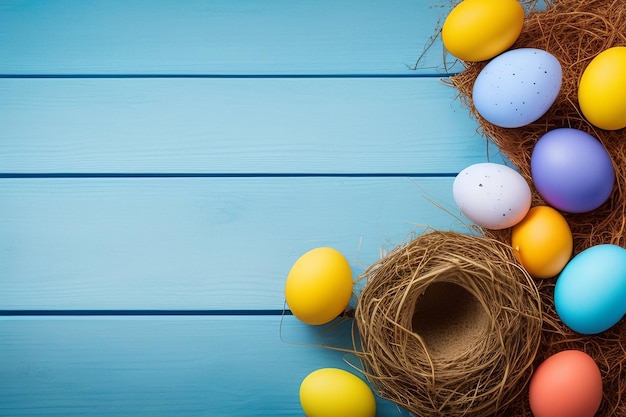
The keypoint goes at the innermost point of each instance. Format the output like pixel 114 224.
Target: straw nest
pixel 449 325
pixel 574 31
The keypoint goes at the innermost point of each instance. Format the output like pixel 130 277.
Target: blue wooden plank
pixel 160 366
pixel 219 36
pixel 236 126
pixel 195 243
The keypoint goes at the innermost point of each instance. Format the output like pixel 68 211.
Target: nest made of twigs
pixel 574 31
pixel 449 325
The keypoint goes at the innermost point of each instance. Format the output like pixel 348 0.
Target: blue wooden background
pixel 162 165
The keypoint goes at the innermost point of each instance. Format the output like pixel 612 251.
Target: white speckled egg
pixel 517 87
pixel 493 196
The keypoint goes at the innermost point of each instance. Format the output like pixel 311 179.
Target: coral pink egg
pixel 567 384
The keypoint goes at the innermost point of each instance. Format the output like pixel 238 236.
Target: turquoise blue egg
pixel 590 292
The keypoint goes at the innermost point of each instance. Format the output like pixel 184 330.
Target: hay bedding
pixel 501 329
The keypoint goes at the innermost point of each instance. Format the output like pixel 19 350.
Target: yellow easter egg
pixel 542 242
pixel 477 30
pixel 602 89
pixel 319 286
pixel 332 392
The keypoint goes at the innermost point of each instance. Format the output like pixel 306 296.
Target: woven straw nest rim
pixel 409 364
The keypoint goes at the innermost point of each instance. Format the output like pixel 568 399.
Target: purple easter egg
pixel 572 170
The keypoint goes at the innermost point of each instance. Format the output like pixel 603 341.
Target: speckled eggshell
pixel 517 87
pixel 493 196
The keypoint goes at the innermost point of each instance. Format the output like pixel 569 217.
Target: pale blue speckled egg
pixel 517 87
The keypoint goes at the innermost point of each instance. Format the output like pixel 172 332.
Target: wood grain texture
pixel 236 126
pixel 220 37
pixel 196 243
pixel 164 366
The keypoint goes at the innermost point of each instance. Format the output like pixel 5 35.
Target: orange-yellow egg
pixel 477 30
pixel 542 242
pixel 319 286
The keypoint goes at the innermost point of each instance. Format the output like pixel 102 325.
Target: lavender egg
pixel 517 87
pixel 572 170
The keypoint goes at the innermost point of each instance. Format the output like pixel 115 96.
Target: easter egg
pixel 542 242
pixel 590 292
pixel 602 89
pixel 572 170
pixel 319 286
pixel 567 384
pixel 493 196
pixel 517 87
pixel 332 392
pixel 477 30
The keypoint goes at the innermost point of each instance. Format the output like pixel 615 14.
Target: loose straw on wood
pixel 474 364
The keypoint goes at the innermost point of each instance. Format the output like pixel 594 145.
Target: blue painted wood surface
pixel 220 37
pixel 164 163
pixel 236 126
pixel 196 243
pixel 173 366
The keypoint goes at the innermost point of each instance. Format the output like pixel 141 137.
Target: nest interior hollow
pixel 449 319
